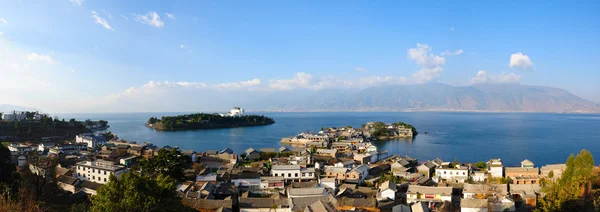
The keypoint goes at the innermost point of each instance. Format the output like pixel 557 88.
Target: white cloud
pixel 300 80
pixel 519 60
pixel 431 64
pixel 101 21
pixel 151 18
pixel 182 46
pixel 41 57
pixel 503 78
pixel 1 33
pixel 452 29
pixel 379 80
pixel 170 16
pixel 124 17
pixel 307 81
pixel 449 53
pixel 359 69
pixel 77 2
pixel 2 20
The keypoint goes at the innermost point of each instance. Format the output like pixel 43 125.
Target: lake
pixel 540 137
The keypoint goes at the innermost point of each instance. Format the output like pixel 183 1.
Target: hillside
pixel 442 97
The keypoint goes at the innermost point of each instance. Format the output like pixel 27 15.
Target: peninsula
pixel 16 126
pixel 235 118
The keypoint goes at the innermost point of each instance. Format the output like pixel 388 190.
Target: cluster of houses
pixel 20 116
pixel 350 176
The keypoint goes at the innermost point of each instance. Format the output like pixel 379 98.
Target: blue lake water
pixel 469 137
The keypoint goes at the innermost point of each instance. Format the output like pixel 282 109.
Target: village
pixel 336 169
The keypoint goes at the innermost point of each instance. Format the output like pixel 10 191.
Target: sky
pixel 118 56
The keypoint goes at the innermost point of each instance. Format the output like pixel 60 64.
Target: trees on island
pixel 204 120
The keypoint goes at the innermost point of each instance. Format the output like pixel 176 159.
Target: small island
pixel 235 118
pixel 382 131
pixel 371 131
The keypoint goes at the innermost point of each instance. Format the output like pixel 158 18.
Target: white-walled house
pixel 458 175
pixel 428 194
pixel 293 172
pixel 495 167
pixel 91 140
pixel 98 171
pixel 387 190
pixel 474 205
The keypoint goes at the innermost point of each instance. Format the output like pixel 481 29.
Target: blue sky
pixel 73 53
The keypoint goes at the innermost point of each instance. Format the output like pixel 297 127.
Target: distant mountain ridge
pixel 442 97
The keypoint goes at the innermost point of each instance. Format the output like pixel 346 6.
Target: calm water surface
pixel 469 137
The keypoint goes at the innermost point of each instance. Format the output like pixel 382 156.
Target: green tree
pixel 572 192
pixel 551 174
pixel 481 165
pixel 168 162
pixel 6 175
pixel 132 192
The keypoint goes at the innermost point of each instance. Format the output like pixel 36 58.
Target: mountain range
pixel 412 97
pixel 442 97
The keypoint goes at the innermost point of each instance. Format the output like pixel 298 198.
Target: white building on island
pixel 236 111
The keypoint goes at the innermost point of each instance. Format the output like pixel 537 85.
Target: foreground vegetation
pixel 207 121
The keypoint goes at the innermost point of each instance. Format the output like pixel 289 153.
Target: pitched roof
pixel 501 189
pixel 283 149
pixel 361 169
pixel 227 150
pixel 473 203
pixel 267 150
pixel 90 185
pixel 334 169
pixel 525 189
pixel 526 161
pixel 249 150
pixel 428 164
pixel 67 180
pixel 210 204
pixel 413 189
pixel 301 203
pixel 554 167
pixel 285 167
pixel 388 185
pixel 401 208
pixel 357 202
pixel 306 191
pixel 137 148
pixel 252 202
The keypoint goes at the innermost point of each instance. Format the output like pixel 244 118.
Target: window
pixel 444 172
pixel 93 170
pixel 296 175
pixel 105 179
pixel 464 173
pixel 105 172
pixel 303 174
pixel 310 174
pixel 289 174
pixel 78 174
pixel 79 168
pixel 94 177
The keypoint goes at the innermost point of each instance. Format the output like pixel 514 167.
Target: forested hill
pixel 207 121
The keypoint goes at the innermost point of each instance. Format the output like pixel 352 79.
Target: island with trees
pixel 382 131
pixel 206 121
